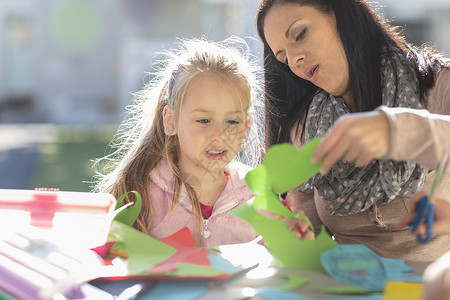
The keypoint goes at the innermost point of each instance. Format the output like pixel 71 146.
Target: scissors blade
pixel 438 176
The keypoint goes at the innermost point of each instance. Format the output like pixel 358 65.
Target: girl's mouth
pixel 216 154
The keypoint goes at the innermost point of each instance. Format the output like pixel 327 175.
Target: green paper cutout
pixel 129 215
pixel 289 167
pixel 287 250
pixel 192 270
pixel 284 168
pixel 347 289
pixel 293 282
pixel 145 252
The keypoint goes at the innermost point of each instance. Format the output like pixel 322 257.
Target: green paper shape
pixel 284 168
pixel 347 289
pixel 287 250
pixel 293 282
pixel 289 167
pixel 129 215
pixel 192 270
pixel 144 251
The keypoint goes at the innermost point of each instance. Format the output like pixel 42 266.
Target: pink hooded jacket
pixel 223 228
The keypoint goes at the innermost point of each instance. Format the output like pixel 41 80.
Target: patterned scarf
pixel 348 189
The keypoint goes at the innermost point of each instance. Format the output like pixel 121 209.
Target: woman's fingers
pixel 358 138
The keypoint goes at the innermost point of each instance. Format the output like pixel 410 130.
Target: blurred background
pixel 68 68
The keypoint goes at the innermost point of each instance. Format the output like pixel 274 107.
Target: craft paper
pixel 288 166
pixel 358 265
pixel 129 215
pixel 287 250
pixel 346 289
pixel 192 271
pixel 284 168
pixel 293 282
pixel 187 251
pixel 276 294
pixel 365 297
pixel 145 252
pixel 176 290
pixel 403 290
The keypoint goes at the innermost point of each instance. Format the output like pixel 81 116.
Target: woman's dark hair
pixel 365 37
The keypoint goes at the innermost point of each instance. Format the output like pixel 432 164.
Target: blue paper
pixel 177 289
pixel 358 265
pixel 276 294
pixel 363 297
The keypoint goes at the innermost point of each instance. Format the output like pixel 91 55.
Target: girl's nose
pixel 217 131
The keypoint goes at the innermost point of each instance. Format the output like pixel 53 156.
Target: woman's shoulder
pixel 438 96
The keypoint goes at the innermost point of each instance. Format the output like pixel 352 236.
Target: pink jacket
pixel 223 228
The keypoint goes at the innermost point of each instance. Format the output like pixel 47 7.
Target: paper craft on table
pixel 358 265
pixel 398 290
pixel 285 167
pixel 173 257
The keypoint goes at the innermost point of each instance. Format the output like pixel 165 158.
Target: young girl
pixel 178 148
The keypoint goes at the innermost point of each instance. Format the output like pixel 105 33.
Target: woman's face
pixel 307 40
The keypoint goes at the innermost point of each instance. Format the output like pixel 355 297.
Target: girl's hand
pixel 295 224
pixel 357 137
pixel 441 213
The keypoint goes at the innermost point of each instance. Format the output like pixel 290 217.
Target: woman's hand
pixel 441 213
pixel 357 137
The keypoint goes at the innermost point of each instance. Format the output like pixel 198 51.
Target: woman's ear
pixel 169 121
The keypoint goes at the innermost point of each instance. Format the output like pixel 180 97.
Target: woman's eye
pixel 232 122
pixel 301 35
pixel 203 121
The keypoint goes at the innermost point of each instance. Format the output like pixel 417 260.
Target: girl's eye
pixel 232 122
pixel 301 35
pixel 203 121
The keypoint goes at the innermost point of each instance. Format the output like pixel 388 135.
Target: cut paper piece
pixel 287 250
pixel 365 297
pixel 285 167
pixel 358 265
pixel 175 290
pixel 276 294
pixel 192 271
pixel 403 291
pixel 247 254
pixel 347 289
pixel 289 166
pixel 190 261
pixel 187 251
pixel 145 252
pixel 129 215
pixel 293 282
pixel 173 257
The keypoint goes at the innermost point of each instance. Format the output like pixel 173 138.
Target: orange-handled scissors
pixel 425 207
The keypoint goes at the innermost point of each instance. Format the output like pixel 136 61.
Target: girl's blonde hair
pixel 140 142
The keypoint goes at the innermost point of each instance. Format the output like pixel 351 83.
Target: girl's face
pixel 307 40
pixel 211 125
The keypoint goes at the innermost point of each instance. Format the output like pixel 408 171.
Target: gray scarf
pixel 348 189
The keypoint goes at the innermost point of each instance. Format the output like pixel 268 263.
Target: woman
pixel 325 59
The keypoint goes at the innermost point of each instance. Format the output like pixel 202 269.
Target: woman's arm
pixel 392 132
